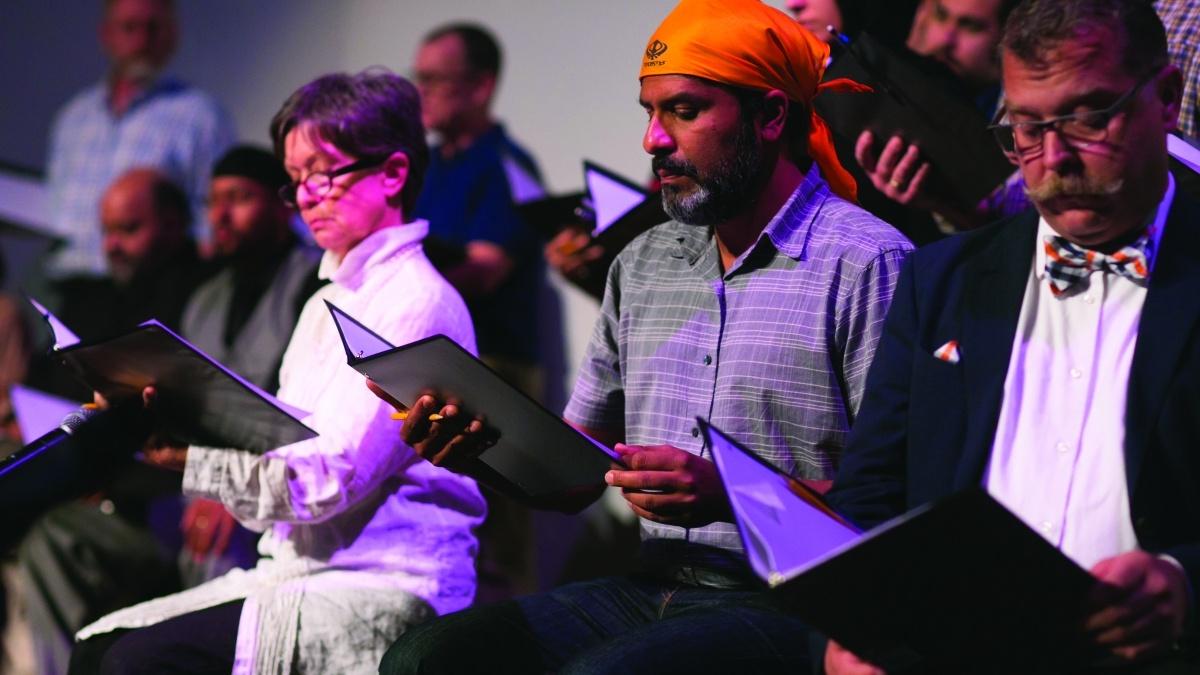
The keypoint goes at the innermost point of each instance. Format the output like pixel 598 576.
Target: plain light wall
pixel 568 90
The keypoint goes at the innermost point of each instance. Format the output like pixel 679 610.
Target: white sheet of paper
pixel 360 342
pixel 522 185
pixel 38 412
pixel 25 200
pixel 611 199
pixel 786 532
pixel 1186 153
pixel 63 336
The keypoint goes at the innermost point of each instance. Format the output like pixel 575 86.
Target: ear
pixel 774 116
pixel 1170 94
pixel 394 174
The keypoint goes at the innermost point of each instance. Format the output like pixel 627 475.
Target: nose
pixel 304 198
pixel 218 213
pixel 940 39
pixel 143 36
pixel 657 140
pixel 1057 154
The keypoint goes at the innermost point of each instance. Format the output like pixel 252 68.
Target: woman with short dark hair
pixel 361 538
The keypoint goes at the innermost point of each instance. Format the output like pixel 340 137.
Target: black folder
pixel 958 584
pixel 200 401
pixel 921 106
pixel 614 216
pixel 536 455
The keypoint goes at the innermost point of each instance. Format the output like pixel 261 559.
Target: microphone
pixel 70 461
pixel 48 440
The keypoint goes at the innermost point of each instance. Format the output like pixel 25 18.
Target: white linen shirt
pixel 362 537
pixel 1058 459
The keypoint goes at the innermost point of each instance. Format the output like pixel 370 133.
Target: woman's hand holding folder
pixel 439 432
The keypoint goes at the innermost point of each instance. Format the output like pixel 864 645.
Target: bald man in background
pixel 89 557
pixel 136 116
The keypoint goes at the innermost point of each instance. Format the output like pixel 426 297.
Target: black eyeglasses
pixel 1026 139
pixel 319 183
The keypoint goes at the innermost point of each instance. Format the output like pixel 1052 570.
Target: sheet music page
pixel 1185 152
pixel 611 199
pixel 522 185
pixel 38 412
pixel 793 532
pixel 360 342
pixel 63 336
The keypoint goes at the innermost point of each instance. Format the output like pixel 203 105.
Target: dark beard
pixel 724 193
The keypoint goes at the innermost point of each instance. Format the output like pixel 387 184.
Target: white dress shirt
pixel 1058 458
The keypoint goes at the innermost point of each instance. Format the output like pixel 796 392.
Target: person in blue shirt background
pixel 480 243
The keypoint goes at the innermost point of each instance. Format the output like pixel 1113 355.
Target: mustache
pixel 675 166
pixel 1073 186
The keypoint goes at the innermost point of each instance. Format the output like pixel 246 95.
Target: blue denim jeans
pixel 612 625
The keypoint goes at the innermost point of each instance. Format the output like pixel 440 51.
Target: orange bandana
pixel 744 43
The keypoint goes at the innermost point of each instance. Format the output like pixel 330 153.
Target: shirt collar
pixel 787 230
pixel 162 84
pixel 1155 225
pixel 489 138
pixel 376 248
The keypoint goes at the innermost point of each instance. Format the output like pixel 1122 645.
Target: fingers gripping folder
pixel 536 452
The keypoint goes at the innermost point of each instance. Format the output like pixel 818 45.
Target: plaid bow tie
pixel 1067 264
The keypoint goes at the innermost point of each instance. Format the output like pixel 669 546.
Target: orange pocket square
pixel 948 352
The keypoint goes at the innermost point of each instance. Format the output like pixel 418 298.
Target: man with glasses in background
pixel 484 248
pixel 1052 359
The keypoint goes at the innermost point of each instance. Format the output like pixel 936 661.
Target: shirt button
pixel 1047 526
pixel 707 360
pixel 1062 448
pixel 1076 373
pixel 695 432
pixel 1089 299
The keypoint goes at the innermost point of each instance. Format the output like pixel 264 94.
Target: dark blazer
pixel 925 427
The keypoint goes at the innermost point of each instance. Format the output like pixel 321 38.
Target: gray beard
pixel 728 189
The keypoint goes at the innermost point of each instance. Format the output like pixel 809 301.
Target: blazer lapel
pixel 993 291
pixel 1165 330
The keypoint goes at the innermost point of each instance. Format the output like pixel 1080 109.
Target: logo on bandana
pixel 654 51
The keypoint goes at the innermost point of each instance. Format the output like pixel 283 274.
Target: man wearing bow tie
pixel 1053 358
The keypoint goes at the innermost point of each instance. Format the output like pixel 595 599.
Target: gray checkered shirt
pixel 774 352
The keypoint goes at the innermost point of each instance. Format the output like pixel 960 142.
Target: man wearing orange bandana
pixel 758 309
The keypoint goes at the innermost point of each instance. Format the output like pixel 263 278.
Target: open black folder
pixel 961 583
pixel 199 402
pixel 920 106
pixel 612 208
pixel 537 454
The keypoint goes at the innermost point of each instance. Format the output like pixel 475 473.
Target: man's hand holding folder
pixel 1139 608
pixel 660 483
pixel 668 485
pixel 1137 613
